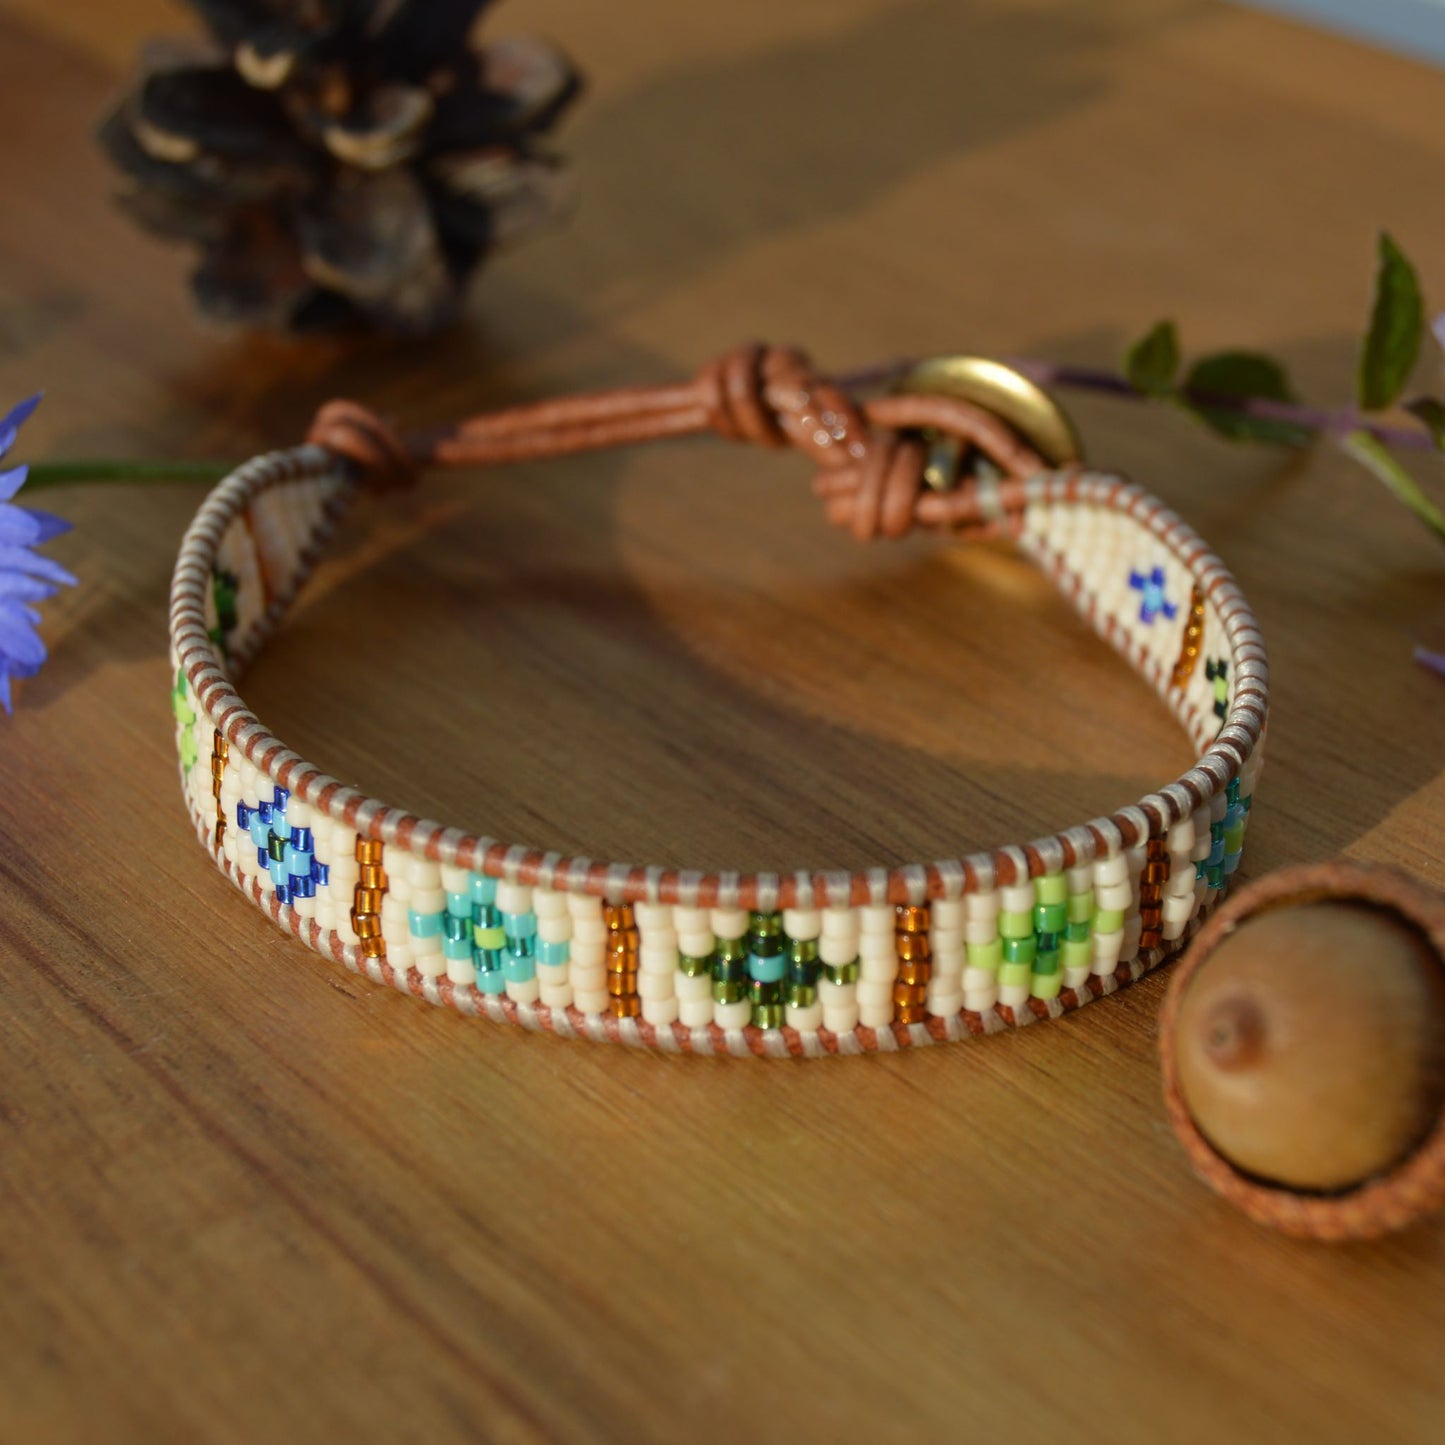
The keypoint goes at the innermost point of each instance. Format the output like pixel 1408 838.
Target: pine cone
pixel 340 160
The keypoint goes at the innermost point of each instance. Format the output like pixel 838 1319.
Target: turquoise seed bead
pixel 767 968
pixel 554 952
pixel 483 889
pixel 424 925
pixel 487 960
pixel 493 981
pixel 457 947
pixel 456 928
pixel 520 925
pixel 517 969
pixel 459 905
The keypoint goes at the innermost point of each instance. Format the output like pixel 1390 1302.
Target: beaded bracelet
pixel 744 963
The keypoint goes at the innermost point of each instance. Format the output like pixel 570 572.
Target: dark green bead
pixel 842 972
pixel 1078 932
pixel 802 995
pixel 769 992
pixel 803 950
pixel 1047 963
pixel 731 950
pixel 730 970
pixel 766 945
pixel 724 991
pixel 1051 917
pixel 694 966
pixel 767 925
pixel 1020 950
pixel 276 848
pixel 1046 942
pixel 803 972
pixel 768 1015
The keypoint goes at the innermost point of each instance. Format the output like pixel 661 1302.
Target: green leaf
pixel 1371 452
pixel 1396 326
pixel 1241 376
pixel 1432 413
pixel 1152 361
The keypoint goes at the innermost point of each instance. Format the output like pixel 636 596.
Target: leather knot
pixel 375 447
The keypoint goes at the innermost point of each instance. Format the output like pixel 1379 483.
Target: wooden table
pixel 249 1197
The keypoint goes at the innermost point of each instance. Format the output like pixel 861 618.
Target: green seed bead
pixel 1046 962
pixel 728 992
pixel 1051 888
pixel 1082 907
pixel 766 925
pixel 1078 932
pixel 768 1015
pixel 1108 920
pixel 1020 950
pixel 802 995
pixel 842 972
pixel 1015 975
pixel 1016 925
pixel 692 967
pixel 489 939
pixel 803 950
pixel 731 950
pixel 1076 953
pixel 1234 838
pixel 1050 917
pixel 766 945
pixel 1047 986
pixel 985 955
pixel 730 970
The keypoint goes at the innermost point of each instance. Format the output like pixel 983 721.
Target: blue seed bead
pixel 483 889
pixel 519 970
pixel 1216 853
pixel 554 952
pixel 459 905
pixel 302 838
pixel 260 830
pixel 243 816
pixel 279 876
pixel 492 981
pixel 457 947
pixel 768 968
pixel 303 887
pixel 487 960
pixel 424 925
pixel 321 872
pixel 1231 862
pixel 298 860
pixel 283 893
pixel 263 811
pixel 520 925
pixel 281 797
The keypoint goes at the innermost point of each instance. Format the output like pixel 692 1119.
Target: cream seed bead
pixel 694 986
pixel 876 920
pixel 304 907
pixel 1114 896
pixel 695 1013
pixel 980 930
pixel 1017 898
pixel 556 996
pixel 730 922
pixel 1080 879
pixel 553 975
pixel 1177 912
pixel 839 923
pixel 548 903
pixel 657 957
pixel 840 1006
pixel 732 1015
pixel 1108 951
pixel 982 906
pixel 1014 995
pixel 806 1018
pixel 653 915
pixel 526 990
pixel 1109 872
pixel 661 1013
pixel 513 897
pixel 429 965
pixel 836 951
pixel 584 905
pixel 882 968
pixel 428 900
pixel 421 873
pixel 587 931
pixel 944 1004
pixel 325 912
pixel 687 919
pixel 454 879
pixel 554 928
pixel 942 940
pixel 654 985
pixel 878 948
pixel 802 924
pixel 947 913
pixel 696 945
pixel 589 1001
pixel 461 971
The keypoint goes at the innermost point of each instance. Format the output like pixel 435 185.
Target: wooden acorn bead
pixel 1303 1050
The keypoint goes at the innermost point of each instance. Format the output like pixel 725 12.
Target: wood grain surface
pixel 247 1197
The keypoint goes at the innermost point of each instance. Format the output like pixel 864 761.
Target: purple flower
pixel 25 576
pixel 1435 661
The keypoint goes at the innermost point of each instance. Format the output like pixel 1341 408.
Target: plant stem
pixel 1084 378
pixel 58 474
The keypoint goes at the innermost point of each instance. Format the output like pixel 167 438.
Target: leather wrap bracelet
pixel 806 962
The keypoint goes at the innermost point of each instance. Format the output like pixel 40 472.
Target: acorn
pixel 1303 1050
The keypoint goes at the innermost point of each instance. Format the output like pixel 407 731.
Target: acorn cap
pixel 1212 1054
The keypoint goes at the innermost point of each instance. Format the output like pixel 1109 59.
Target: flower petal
pixel 17 527
pixel 21 559
pixel 20 644
pixel 17 587
pixel 49 524
pixel 5 691
pixel 17 416
pixel 12 481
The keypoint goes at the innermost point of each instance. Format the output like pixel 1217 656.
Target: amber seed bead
pixel 913 947
pixel 368 850
pixel 912 919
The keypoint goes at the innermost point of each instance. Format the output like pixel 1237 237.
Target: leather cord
pixel 869 455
